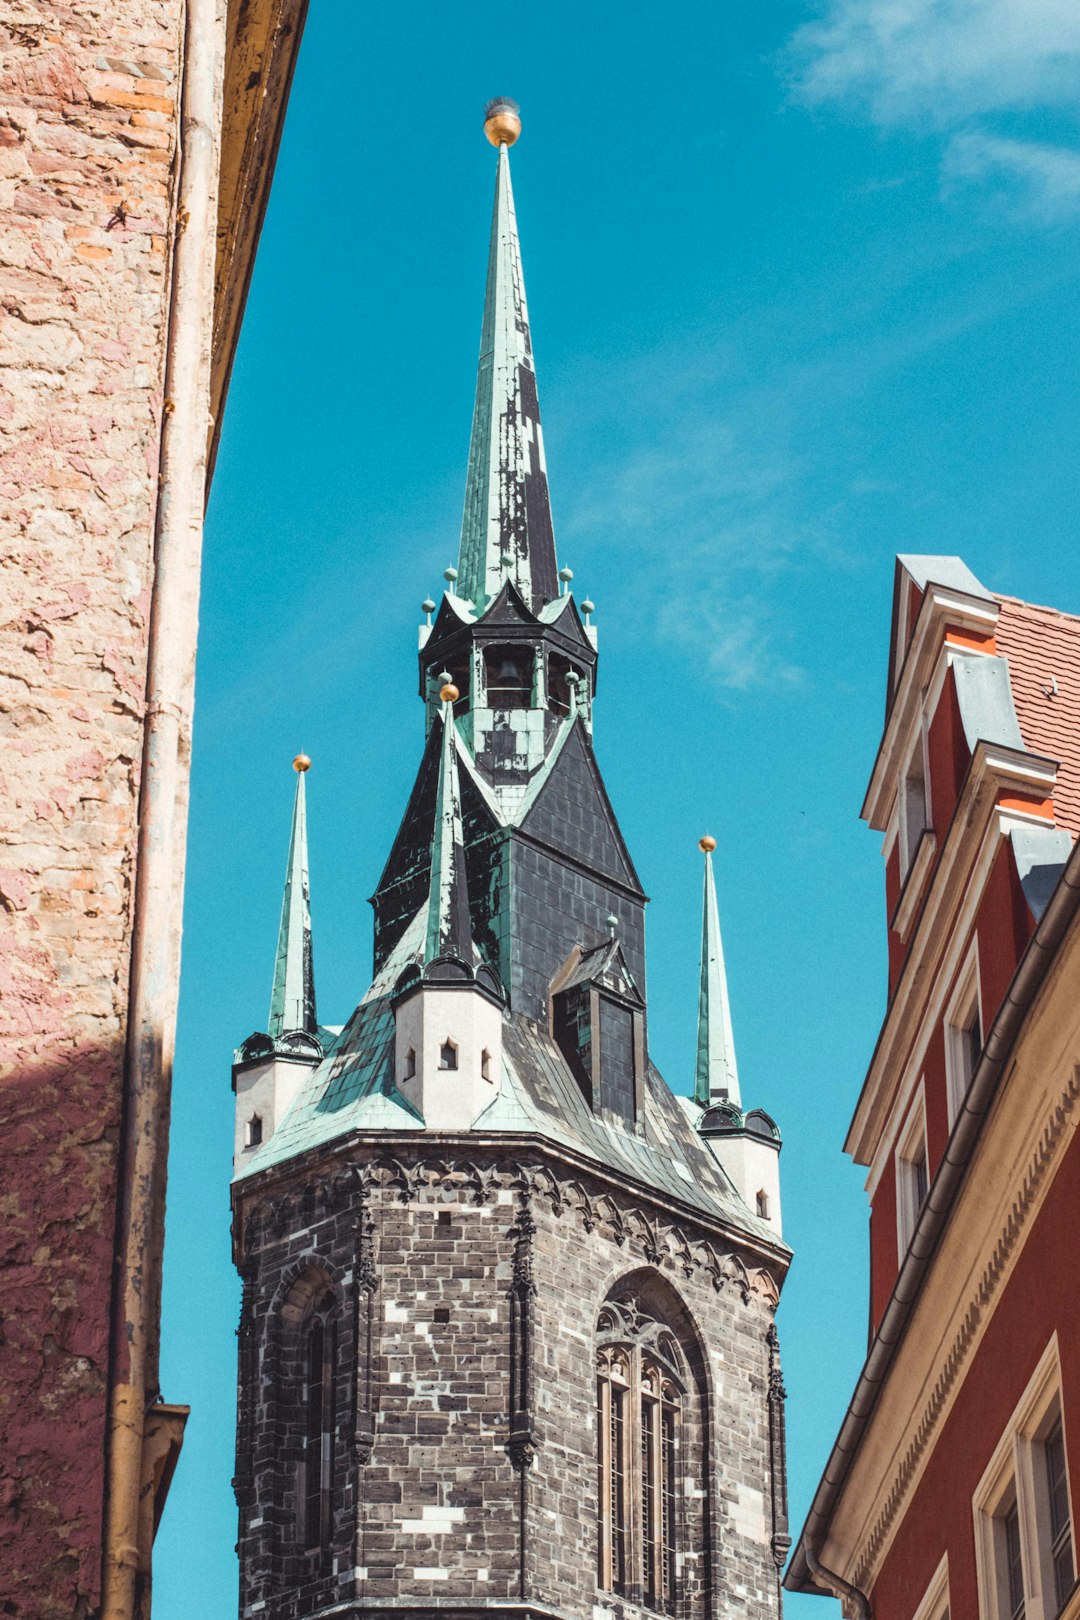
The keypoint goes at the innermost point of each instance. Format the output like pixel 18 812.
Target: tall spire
pixel 716 1077
pixel 449 928
pixel 506 531
pixel 292 1001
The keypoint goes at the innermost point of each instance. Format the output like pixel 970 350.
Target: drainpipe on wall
pixel 155 951
pixel 850 1596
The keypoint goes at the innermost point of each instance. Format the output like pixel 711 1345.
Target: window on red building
pixel 914 810
pixel 912 1174
pixel 1023 1520
pixel 963 1036
pixel 1059 1524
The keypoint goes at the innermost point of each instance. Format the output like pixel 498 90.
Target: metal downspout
pixel 837 1585
pixel 155 951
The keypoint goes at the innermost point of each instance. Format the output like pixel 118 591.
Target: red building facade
pixel 948 1489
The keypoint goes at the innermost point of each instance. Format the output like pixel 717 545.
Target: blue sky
pixel 803 293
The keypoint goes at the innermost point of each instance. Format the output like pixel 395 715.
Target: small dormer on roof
pixel 597 1017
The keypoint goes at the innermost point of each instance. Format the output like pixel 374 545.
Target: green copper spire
pixel 716 1077
pixel 506 531
pixel 449 928
pixel 292 1002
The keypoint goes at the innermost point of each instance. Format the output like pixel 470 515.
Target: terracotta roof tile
pixel 1043 647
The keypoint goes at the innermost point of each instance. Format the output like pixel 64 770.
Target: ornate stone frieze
pixel 618 1215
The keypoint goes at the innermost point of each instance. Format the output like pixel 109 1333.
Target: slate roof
pixel 353 1089
pixel 1043 646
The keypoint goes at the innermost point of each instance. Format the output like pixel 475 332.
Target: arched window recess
pixel 641 1402
pixel 311 1312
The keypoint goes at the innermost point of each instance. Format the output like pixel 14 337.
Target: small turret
pixel 448 1012
pixel 269 1067
pixel 747 1145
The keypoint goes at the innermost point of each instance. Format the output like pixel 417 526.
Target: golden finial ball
pixel 301 763
pixel 707 844
pixel 449 693
pixel 502 121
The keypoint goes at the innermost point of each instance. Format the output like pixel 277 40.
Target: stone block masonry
pixel 88 98
pixel 466 1294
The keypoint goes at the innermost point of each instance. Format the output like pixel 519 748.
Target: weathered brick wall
pixel 87 126
pixel 429 1504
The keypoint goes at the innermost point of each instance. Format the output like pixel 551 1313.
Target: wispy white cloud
pixel 943 64
pixel 1040 182
pixel 939 61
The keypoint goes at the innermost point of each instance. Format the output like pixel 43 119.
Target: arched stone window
pixel 320 1358
pixel 642 1392
pixel 311 1313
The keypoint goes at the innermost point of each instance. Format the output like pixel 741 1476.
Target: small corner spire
pixel 716 1077
pixel 292 1000
pixel 506 530
pixel 449 928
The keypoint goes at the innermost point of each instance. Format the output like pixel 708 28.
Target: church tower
pixel 507 1341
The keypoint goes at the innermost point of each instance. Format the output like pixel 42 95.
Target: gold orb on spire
pixel 449 693
pixel 502 121
pixel 707 844
pixel 301 763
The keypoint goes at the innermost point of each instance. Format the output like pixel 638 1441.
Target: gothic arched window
pixel 315 1475
pixel 640 1393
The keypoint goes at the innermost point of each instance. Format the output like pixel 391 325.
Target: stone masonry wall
pixel 430 1503
pixel 87 127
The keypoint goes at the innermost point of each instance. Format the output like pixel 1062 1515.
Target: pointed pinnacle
pixel 292 1000
pixel 716 1076
pixel 506 530
pixel 449 928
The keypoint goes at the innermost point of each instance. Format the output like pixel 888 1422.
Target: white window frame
pixel 968 993
pixel 1018 1467
pixel 934 1604
pixel 909 838
pixel 911 1138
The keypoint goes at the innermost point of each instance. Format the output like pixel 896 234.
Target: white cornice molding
pixel 994 768
pixel 941 607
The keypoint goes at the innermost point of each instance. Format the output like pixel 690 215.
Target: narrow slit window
pixel 963 1038
pixel 912 1176
pixel 914 809
pixel 448 1055
pixel 485 1064
pixel 408 1065
pixel 254 1131
pixel 318 1454
pixel 763 1205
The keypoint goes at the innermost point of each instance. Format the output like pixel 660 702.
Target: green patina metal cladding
pixel 716 1076
pixel 449 930
pixel 506 528
pixel 292 1001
